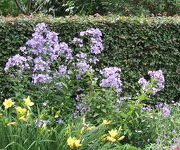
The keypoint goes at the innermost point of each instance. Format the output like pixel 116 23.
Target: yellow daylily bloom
pixel 113 133
pixel 11 124
pixel 8 103
pixel 121 138
pixel 111 139
pixel 72 142
pixel 21 110
pixel 23 118
pixel 77 143
pixel 106 122
pixel 28 102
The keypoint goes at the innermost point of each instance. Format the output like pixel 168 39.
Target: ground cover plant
pixel 64 101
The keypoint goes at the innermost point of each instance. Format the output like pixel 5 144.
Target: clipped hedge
pixel 134 44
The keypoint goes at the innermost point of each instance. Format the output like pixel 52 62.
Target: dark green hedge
pixel 134 44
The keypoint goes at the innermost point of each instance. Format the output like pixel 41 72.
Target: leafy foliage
pixel 90 7
pixel 8 7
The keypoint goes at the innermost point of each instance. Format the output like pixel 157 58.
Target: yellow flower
pixel 73 142
pixel 77 143
pixel 23 118
pixel 21 110
pixel 90 128
pixel 121 138
pixel 110 138
pixel 113 133
pixel 11 124
pixel 106 122
pixel 28 102
pixel 70 142
pixel 8 103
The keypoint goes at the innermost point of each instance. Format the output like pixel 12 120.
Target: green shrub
pixel 103 7
pixel 134 44
pixel 8 7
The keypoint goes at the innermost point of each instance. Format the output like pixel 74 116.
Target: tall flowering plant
pixel 53 67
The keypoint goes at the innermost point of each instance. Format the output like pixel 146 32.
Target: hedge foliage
pixel 134 44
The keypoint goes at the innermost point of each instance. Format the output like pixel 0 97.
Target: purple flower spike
pixel 96 40
pixel 159 81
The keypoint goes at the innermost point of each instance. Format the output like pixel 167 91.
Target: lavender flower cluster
pixel 165 109
pixel 17 61
pixel 96 47
pixel 159 81
pixel 112 78
pixel 44 49
pixel 96 40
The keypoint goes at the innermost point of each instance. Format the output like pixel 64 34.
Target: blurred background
pixel 58 8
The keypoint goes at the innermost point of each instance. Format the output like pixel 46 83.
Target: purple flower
pixel 60 121
pixel 158 78
pixel 160 105
pixel 59 84
pixel 18 61
pixel 64 49
pixel 51 37
pixel 44 42
pixel 177 140
pixel 143 82
pixel 166 110
pixel 62 70
pixel 82 67
pixel 96 40
pixel 106 72
pixel 41 27
pixel 78 77
pixel 94 60
pixel 41 65
pixel 112 78
pixel 22 49
pixel 81 55
pixel 41 78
